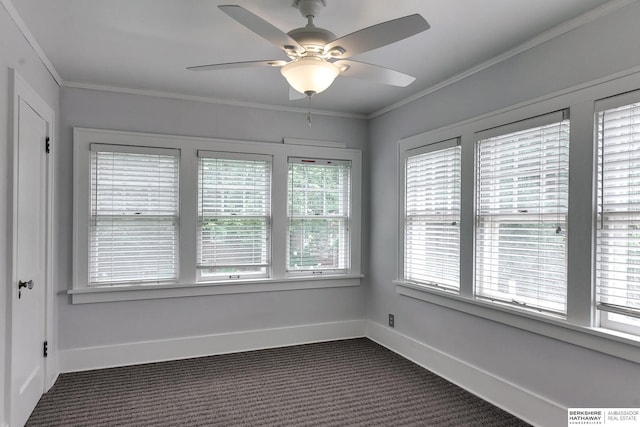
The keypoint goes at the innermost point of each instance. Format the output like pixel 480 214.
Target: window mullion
pixel 187 255
pixel 279 216
pixel 580 233
pixel 467 214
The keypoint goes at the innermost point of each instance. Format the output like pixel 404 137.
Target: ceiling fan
pixel 317 56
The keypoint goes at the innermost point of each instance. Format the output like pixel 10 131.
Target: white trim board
pixel 108 356
pixel 313 142
pixel 613 343
pixel 514 399
pixel 207 99
pixel 22 27
pixel 140 292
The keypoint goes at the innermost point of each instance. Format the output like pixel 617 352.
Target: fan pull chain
pixel 309 113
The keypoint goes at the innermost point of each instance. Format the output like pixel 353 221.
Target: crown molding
pixel 13 13
pixel 541 38
pixel 205 99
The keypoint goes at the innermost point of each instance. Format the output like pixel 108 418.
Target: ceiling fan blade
pixel 377 36
pixel 294 95
pixel 362 70
pixel 262 28
pixel 245 64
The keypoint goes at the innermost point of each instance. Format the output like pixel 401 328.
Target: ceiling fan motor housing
pixel 309 7
pixel 312 38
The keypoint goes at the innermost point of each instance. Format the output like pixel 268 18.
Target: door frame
pixel 23 91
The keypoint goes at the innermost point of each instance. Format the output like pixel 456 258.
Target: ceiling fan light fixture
pixel 310 74
pixel 337 51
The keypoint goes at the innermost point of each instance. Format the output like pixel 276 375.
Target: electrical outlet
pixel 392 321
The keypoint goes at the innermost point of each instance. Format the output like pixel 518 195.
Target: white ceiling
pixel 146 44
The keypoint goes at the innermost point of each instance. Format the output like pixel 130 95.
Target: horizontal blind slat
pixel 234 215
pixel 618 234
pixel 432 218
pixel 522 205
pixel 319 210
pixel 134 217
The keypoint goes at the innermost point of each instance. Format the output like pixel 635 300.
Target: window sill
pixel 614 343
pixel 142 292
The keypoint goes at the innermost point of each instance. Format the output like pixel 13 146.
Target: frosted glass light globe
pixel 310 75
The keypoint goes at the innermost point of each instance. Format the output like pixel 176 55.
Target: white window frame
pixel 486 289
pixel 581 326
pixel 188 284
pixel 607 315
pixel 202 154
pixel 427 148
pixel 96 148
pixel 346 220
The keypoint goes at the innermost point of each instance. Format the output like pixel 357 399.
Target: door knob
pixel 27 284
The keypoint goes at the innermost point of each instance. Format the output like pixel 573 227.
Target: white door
pixel 28 295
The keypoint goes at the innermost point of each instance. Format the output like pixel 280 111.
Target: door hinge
pixel 47 145
pixel 45 349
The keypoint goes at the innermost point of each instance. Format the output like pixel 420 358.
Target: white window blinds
pixel 432 215
pixel 319 209
pixel 618 225
pixel 234 215
pixel 134 216
pixel 522 206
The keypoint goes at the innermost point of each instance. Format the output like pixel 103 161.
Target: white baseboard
pixel 524 404
pixel 83 359
pixel 530 407
pixel 52 369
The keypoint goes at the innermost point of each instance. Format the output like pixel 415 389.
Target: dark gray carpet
pixel 343 383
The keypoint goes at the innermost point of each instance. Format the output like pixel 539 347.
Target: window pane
pixel 432 218
pixel 618 233
pixel 234 205
pixel 134 218
pixel 319 215
pixel 126 250
pixel 522 205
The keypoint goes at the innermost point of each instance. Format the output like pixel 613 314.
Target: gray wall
pixel 567 374
pixel 87 325
pixel 15 53
pixel 562 372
